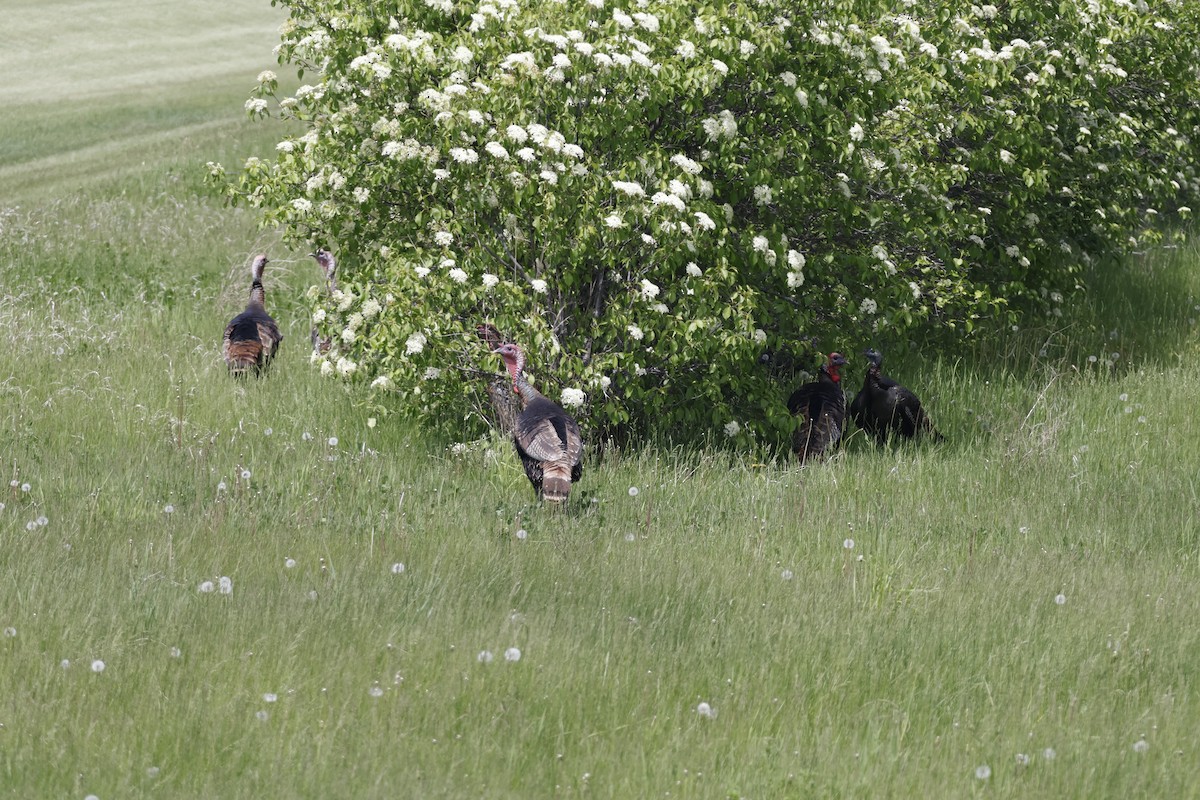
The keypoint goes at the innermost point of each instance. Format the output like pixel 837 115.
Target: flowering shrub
pixel 649 195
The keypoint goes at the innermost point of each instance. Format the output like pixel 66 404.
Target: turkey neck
pixel 525 390
pixel 257 294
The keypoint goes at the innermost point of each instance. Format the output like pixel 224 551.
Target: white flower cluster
pixel 573 398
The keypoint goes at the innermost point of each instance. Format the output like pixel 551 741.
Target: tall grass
pixel 888 624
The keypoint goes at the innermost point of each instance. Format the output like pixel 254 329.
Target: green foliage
pixel 648 199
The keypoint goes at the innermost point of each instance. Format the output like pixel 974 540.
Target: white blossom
pixel 630 188
pixel 635 332
pixel 760 244
pixel 856 132
pixel 686 164
pixel 573 398
pixel 868 306
pixel 444 238
pixel 415 343
pixel 516 133
pixel 457 275
pixel 496 150
pixel 795 279
pixel 539 285
pixel 705 221
pixel 763 195
pixel 685 49
pixel 649 289
pixel 732 428
pixel 693 270
pixel 490 280
pixel 614 221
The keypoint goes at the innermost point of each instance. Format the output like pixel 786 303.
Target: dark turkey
pixel 547 437
pixel 252 338
pixel 884 408
pixel 325 259
pixel 821 409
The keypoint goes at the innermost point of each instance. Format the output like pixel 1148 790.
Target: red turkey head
pixel 514 361
pixel 836 362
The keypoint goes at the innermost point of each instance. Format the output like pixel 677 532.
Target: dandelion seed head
pixel 31 525
pixel 221 486
pixel 289 563
pixel 206 587
pixel 270 697
pixel 225 585
pixel 522 534
pixel 245 474
pixel 10 632
pixel 512 654
pixel 398 568
pixel 375 691
pixel 484 657
pixel 631 536
pixel 25 487
pixel 1023 759
pixel 175 652
pixel 706 711
pixel 787 575
pixel 306 437
pixel 633 491
pixel 262 716
pixel 168 509
pixel 97 666
pixel 848 544
pixel 1049 754
pixel 333 441
pixel 983 772
pixel 1141 745
pixel 1060 599
pixel 65 663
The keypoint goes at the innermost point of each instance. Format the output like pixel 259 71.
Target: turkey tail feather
pixel 243 355
pixel 556 482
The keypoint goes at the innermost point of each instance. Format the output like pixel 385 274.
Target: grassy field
pixel 1010 614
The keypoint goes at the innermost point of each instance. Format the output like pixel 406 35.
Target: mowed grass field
pixel 243 589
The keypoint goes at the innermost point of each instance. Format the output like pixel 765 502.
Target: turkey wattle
pixel 252 338
pixel 821 408
pixel 547 438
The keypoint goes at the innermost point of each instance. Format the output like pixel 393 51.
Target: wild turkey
pixel 505 403
pixel 252 338
pixel 821 407
pixel 883 407
pixel 321 344
pixel 547 438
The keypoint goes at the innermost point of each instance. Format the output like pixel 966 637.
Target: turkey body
pixel 547 438
pixel 821 408
pixel 884 408
pixel 252 338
